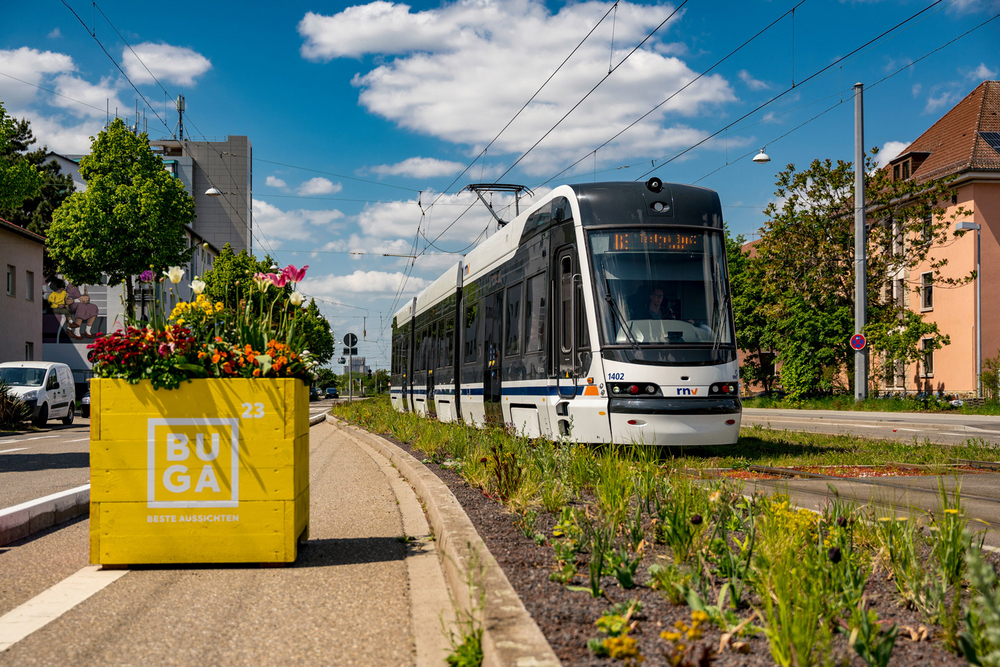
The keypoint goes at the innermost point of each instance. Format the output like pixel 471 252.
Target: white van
pixel 44 386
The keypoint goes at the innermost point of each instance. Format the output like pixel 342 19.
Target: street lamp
pixel 761 157
pixel 965 227
pixel 215 192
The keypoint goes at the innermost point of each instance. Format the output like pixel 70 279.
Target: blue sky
pixel 358 112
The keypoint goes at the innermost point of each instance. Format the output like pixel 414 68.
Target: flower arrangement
pixel 202 339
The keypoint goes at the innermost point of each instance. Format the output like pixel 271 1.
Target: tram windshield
pixel 661 287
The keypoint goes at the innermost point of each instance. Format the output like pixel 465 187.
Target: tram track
pixel 913 495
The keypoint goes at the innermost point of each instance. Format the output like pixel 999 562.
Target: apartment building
pixel 21 254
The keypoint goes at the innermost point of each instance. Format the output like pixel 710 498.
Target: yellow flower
pixel 951 511
pixel 180 321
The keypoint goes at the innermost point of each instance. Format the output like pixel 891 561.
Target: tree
pixel 325 377
pixel 35 213
pixel 19 180
pixel 130 218
pixel 231 281
pixel 749 313
pixel 806 266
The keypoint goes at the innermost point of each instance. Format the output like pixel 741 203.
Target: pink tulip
pixel 278 281
pixel 293 274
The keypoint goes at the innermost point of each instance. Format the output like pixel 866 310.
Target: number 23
pixel 248 410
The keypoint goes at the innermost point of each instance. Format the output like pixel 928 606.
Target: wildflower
pixel 834 555
pixel 714 498
pixel 174 273
pixel 951 511
pixel 198 286
pixel 261 281
pixel 146 276
pixel 295 298
pixel 696 520
pixel 842 521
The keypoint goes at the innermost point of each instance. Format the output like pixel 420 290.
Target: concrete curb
pixel 317 419
pixel 510 636
pixel 22 520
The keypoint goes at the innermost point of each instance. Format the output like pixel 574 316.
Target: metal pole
pixel 860 259
pixel 979 310
pixel 350 376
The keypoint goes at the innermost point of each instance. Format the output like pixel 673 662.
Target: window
pixel 471 333
pixel 29 285
pixel 11 281
pixel 926 291
pixel 895 173
pixel 927 361
pixel 534 314
pixel 29 351
pixel 513 333
pixel 906 170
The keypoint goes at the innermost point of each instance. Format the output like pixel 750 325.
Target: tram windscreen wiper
pixel 617 313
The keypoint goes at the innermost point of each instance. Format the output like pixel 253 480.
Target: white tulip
pixel 296 298
pixel 198 286
pixel 175 273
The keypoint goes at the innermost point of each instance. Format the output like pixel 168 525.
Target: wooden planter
pixel 216 471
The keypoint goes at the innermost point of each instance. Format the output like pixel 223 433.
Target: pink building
pixel 964 144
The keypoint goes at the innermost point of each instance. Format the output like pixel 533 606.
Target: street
pixel 945 429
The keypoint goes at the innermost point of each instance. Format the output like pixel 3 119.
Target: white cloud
pixel 174 64
pixel 277 226
pixel 32 66
pixel 275 182
pixel 100 98
pixel 752 83
pixel 981 73
pixel 369 283
pixel 889 150
pixel 944 99
pixel 319 186
pixel 443 78
pixel 61 138
pixel 419 167
pixel 55 34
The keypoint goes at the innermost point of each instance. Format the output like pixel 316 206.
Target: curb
pixel 22 520
pixel 317 419
pixel 510 635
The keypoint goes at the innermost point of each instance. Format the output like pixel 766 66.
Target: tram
pixel 601 314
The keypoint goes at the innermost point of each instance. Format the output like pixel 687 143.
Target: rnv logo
pixel 687 391
pixel 175 477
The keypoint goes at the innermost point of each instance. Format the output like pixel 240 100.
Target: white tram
pixel 601 314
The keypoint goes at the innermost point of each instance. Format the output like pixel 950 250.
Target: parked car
pixel 313 393
pixel 85 405
pixel 331 392
pixel 45 386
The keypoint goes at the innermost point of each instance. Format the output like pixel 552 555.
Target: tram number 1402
pixel 616 376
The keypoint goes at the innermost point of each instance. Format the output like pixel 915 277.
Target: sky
pixel 367 120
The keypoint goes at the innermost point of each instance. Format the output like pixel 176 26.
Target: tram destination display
pixel 642 240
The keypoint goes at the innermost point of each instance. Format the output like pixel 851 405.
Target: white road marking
pixel 37 437
pixel 45 607
pixel 16 449
pixel 78 440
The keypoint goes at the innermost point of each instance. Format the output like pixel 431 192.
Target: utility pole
pixel 860 245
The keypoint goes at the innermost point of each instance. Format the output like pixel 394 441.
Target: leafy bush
pixel 13 411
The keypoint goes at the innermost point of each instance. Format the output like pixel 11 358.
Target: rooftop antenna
pixel 479 188
pixel 180 117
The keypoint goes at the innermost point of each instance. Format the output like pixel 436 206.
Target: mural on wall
pixel 74 314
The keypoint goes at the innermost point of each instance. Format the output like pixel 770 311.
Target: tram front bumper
pixel 675 421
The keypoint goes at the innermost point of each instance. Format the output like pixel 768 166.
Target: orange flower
pixel 202 355
pixel 227 368
pixel 256 372
pixel 215 357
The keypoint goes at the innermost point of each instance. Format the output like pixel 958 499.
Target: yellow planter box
pixel 216 471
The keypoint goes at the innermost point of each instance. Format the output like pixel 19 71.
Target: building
pixel 225 166
pixel 964 144
pixel 21 255
pixel 357 366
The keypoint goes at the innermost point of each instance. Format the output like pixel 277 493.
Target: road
pixel 940 428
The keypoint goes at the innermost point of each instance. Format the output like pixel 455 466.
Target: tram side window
pixel 471 333
pixel 534 314
pixel 418 362
pixel 582 333
pixel 449 342
pixel 513 332
pixel 566 304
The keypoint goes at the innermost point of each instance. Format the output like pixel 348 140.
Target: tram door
pixel 492 347
pixel 565 319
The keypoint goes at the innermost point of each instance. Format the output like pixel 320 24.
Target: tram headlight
pixel 634 389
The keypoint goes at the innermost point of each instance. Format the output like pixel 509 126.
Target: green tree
pixel 230 281
pixel 130 218
pixel 19 180
pixel 806 256
pixel 35 213
pixel 749 313
pixel 325 377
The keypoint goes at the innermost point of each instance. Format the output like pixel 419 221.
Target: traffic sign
pixel 350 340
pixel 353 351
pixel 858 341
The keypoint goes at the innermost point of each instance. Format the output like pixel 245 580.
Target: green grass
pixel 847 402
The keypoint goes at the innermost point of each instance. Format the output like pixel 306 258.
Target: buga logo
pixel 687 391
pixel 193 462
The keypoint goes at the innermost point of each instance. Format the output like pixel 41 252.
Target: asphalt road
pixel 944 428
pixel 344 601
